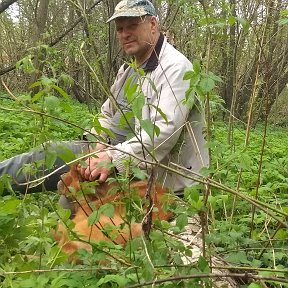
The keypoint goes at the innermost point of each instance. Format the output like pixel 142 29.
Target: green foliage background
pixel 26 221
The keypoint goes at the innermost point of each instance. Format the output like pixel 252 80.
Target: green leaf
pixel 237 257
pixel 121 281
pixel 231 20
pixel 163 115
pixel 192 193
pixel 26 64
pixel 254 285
pixel 50 158
pixel 37 96
pixel 147 271
pixel 196 66
pixel 139 173
pixel 137 105
pixel 47 81
pixel 93 218
pixel 133 245
pixel 181 221
pixel 35 84
pixel 215 77
pixel 125 119
pixel 189 100
pixel 244 23
pixel 66 107
pixel 203 265
pixel 9 206
pixel 99 128
pixel 51 103
pixel 107 209
pixel 130 89
pixel 244 161
pixel 284 12
pixel 149 128
pixel 67 79
pixel 207 84
pixel 188 75
pixel 283 22
pixel 67 155
pixel 195 80
pixel 60 91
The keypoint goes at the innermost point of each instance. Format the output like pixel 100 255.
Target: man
pixel 166 131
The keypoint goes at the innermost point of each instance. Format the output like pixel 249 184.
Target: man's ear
pixel 154 24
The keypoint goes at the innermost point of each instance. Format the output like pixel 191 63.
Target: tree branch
pixel 57 39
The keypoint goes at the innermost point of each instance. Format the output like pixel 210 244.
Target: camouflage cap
pixel 133 8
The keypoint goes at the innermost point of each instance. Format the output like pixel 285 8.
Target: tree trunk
pixel 272 66
pixel 41 20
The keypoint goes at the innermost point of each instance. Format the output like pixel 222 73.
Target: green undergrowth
pixel 244 237
pixel 21 130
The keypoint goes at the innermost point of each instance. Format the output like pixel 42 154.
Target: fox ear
pixel 64 182
pixel 73 171
pixel 161 190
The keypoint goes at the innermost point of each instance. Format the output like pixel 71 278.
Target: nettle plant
pixel 29 219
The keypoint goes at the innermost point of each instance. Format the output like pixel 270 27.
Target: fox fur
pixel 120 232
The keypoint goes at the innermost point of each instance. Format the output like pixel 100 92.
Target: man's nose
pixel 125 33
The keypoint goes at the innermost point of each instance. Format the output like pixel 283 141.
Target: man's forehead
pixel 136 19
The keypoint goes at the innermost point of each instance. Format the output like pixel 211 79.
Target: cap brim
pixel 126 14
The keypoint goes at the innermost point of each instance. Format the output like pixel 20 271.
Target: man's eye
pixel 134 25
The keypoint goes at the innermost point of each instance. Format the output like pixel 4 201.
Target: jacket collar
pixel 153 60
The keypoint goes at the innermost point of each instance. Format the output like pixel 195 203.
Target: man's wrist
pixel 109 154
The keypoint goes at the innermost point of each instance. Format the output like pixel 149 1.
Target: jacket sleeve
pixel 171 89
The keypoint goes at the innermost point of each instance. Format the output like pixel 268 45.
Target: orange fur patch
pixel 121 232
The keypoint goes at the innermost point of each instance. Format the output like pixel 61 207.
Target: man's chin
pixel 130 52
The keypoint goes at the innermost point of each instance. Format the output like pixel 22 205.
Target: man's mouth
pixel 130 42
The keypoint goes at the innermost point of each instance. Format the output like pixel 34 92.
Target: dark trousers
pixel 17 166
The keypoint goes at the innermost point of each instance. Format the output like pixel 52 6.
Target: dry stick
pixel 265 127
pixel 252 102
pixel 209 275
pixel 246 268
pixel 147 222
pixel 197 177
pixel 246 276
pixel 4 273
pixel 203 214
pixel 279 226
pixel 231 121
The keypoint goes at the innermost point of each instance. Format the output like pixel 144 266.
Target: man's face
pixel 136 35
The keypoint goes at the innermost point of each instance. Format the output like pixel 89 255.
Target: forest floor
pixel 248 239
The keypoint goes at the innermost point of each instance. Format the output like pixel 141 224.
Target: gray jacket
pixel 176 143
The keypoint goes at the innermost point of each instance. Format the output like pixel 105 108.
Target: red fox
pixel 119 231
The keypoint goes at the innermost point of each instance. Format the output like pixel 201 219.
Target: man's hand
pixel 96 167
